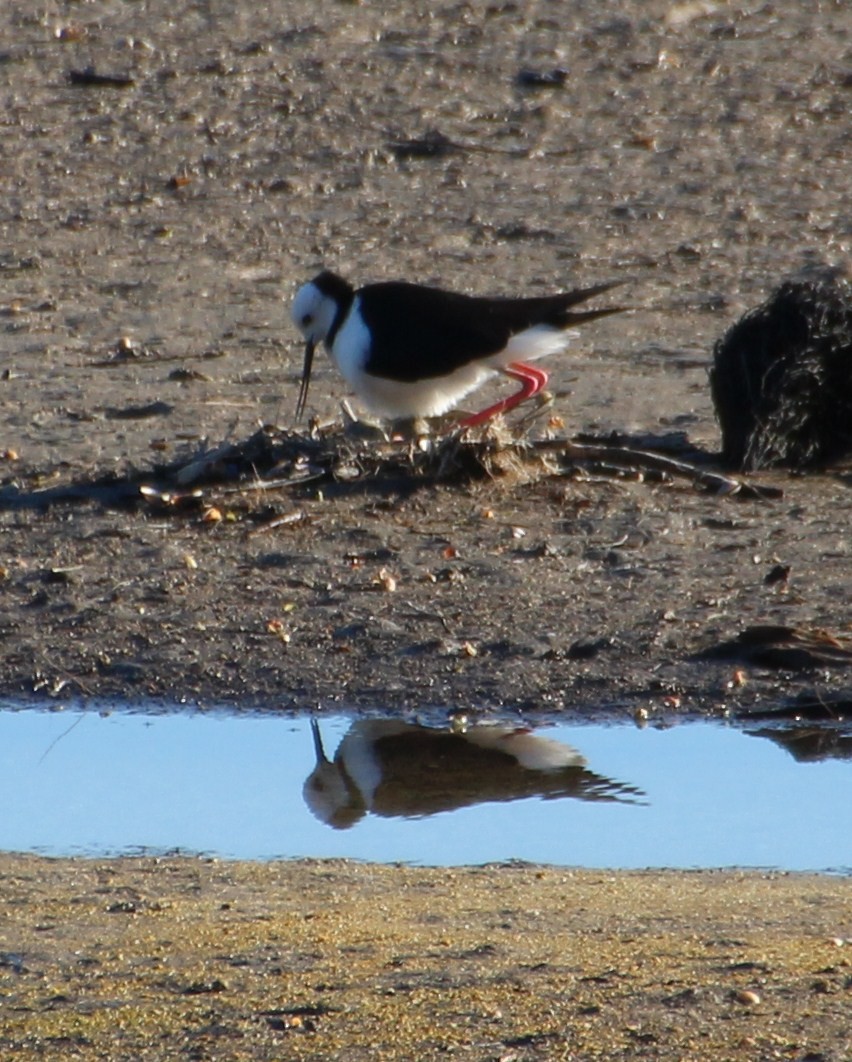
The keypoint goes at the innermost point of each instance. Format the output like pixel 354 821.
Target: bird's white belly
pixel 421 398
pixel 428 397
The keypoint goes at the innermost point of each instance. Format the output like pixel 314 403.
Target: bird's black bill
pixel 318 749
pixel 310 346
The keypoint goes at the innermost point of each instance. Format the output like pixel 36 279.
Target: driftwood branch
pixel 645 460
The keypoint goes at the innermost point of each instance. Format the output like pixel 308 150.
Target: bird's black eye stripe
pixel 308 317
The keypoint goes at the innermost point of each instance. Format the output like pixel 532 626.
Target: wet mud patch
pixel 167 200
pixel 347 566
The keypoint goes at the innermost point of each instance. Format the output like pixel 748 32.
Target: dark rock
pixel 782 378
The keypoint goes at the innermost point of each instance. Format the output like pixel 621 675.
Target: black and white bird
pixel 407 350
pixel 390 768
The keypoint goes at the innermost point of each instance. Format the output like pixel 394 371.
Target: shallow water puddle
pixel 695 795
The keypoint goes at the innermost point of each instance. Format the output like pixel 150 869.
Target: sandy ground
pixel 176 958
pixel 152 234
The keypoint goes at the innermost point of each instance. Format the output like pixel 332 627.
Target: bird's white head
pixel 317 310
pixel 313 312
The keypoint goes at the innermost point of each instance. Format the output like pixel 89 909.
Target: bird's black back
pixel 419 332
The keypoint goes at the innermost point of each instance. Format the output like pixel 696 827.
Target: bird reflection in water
pixel 392 769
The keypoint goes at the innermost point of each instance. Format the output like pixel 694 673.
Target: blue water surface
pixel 695 795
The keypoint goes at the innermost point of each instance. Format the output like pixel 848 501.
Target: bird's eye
pixel 306 320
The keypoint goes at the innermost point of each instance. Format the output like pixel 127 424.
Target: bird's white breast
pixel 351 346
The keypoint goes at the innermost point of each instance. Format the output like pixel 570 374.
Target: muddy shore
pixel 155 229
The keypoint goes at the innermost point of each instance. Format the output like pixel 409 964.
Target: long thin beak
pixel 318 749
pixel 310 347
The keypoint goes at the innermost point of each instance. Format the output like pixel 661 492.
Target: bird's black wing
pixel 421 332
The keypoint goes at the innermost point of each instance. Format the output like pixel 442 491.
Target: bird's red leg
pixel 532 381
